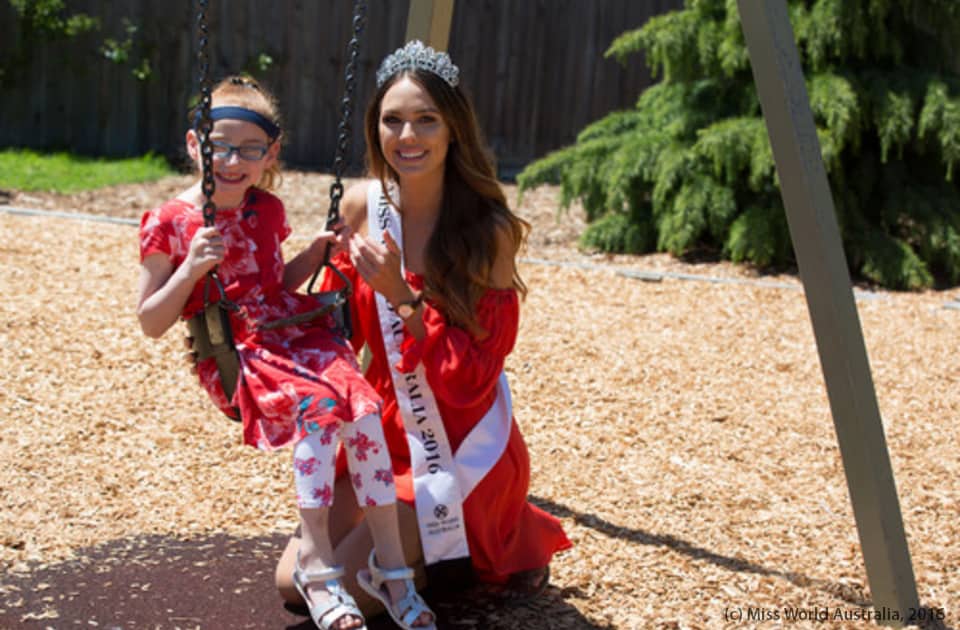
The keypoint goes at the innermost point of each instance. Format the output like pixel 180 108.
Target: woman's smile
pixel 411 155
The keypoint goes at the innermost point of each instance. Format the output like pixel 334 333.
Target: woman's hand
pixel 206 251
pixel 379 265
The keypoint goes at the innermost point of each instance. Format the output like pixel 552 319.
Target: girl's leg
pixel 372 475
pixel 353 549
pixel 314 464
pixel 341 523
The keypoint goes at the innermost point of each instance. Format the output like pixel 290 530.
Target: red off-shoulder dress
pixel 505 533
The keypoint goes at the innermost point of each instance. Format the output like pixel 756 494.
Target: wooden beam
pixel 429 21
pixel 833 312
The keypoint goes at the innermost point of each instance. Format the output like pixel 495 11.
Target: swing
pixel 210 329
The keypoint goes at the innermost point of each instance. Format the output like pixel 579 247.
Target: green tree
pixel 44 22
pixel 691 166
pixel 40 21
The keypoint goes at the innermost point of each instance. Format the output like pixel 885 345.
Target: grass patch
pixel 25 170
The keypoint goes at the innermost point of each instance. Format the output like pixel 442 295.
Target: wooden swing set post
pixel 833 312
pixel 429 21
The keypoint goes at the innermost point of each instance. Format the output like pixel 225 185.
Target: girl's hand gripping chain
pixel 206 251
pixel 337 237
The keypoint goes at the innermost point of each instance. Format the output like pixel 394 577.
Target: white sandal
pixel 340 604
pixel 405 612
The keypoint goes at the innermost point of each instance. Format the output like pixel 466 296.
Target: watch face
pixel 405 311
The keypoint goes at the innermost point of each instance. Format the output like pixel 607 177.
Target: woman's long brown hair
pixel 461 251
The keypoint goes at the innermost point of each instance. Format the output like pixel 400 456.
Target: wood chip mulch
pixel 680 429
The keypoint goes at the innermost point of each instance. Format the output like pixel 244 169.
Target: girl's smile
pixel 236 144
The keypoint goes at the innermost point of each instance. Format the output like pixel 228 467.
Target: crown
pixel 416 56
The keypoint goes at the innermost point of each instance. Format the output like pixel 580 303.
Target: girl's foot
pixel 331 607
pixel 323 600
pixel 399 589
pixel 395 589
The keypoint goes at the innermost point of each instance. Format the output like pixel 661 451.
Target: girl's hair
pixel 246 92
pixel 463 247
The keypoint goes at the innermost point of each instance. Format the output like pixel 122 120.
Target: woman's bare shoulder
pixel 353 206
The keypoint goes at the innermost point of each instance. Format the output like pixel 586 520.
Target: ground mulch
pixel 679 428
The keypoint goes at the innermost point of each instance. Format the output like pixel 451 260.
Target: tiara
pixel 416 56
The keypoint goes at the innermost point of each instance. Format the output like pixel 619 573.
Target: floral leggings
pixel 315 456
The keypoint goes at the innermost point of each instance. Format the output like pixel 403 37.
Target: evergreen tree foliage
pixel 690 166
pixel 39 21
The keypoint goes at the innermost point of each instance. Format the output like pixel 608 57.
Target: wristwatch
pixel 406 309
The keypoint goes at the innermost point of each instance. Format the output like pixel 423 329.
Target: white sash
pixel 441 480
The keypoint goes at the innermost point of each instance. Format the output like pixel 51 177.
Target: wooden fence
pixel 535 69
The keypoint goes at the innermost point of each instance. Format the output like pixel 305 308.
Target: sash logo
pixel 440 511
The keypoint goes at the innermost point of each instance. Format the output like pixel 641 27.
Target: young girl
pixel 299 384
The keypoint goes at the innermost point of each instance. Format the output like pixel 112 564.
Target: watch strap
pixel 409 304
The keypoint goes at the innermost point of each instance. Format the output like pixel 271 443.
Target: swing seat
pixel 211 337
pixel 327 303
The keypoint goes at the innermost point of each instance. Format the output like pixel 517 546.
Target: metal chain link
pixel 343 148
pixel 204 123
pixel 204 127
pixel 346 108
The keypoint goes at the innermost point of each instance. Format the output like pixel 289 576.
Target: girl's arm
pixel 353 210
pixel 163 290
pixel 302 266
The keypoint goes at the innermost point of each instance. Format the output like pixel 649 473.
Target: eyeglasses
pixel 247 152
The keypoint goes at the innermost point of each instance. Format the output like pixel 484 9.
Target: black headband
pixel 242 113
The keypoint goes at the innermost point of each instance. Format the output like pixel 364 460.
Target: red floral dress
pixel 505 533
pixel 294 380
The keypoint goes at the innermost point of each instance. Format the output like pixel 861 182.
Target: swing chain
pixel 204 127
pixel 204 122
pixel 346 108
pixel 343 147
